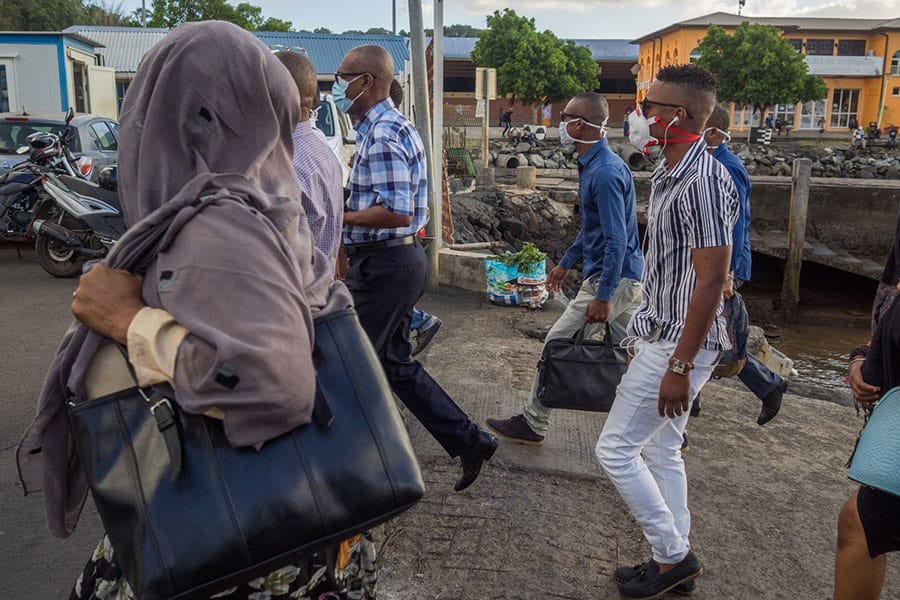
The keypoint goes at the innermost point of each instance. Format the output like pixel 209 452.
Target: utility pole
pixel 741 4
pixel 422 119
pixel 394 16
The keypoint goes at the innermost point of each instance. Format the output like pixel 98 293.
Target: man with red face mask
pixel 678 330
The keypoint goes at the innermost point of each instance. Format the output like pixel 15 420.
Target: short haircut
pixel 689 75
pixel 698 89
pixel 396 93
pixel 597 106
pixel 718 118
pixel 304 74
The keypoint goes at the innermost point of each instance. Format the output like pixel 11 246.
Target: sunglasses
pixel 348 76
pixel 645 103
pixel 568 117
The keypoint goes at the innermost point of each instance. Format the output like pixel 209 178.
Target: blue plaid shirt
pixel 389 170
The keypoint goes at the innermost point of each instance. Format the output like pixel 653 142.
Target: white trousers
pixel 641 451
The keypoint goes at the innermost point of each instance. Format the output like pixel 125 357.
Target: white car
pixel 338 132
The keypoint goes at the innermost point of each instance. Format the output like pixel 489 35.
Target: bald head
pixel 304 74
pixel 718 118
pixel 592 106
pixel 374 60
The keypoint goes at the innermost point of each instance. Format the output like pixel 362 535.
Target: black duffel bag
pixel 579 374
pixel 188 515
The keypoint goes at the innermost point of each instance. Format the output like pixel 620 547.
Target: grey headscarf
pixel 206 137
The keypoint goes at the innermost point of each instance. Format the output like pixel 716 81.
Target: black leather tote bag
pixel 579 374
pixel 188 515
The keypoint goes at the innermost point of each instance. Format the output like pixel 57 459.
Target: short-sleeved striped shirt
pixel 389 170
pixel 695 205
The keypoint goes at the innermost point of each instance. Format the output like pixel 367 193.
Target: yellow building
pixel 859 60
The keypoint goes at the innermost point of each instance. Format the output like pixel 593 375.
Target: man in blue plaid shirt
pixel 388 267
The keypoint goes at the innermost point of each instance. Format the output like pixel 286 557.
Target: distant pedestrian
pixel 778 126
pixel 858 137
pixel 507 120
pixel 607 246
pixel 770 122
pixel 626 127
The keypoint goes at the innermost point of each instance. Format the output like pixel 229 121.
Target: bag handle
pixel 578 336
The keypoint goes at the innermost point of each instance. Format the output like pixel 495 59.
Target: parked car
pixel 93 136
pixel 338 131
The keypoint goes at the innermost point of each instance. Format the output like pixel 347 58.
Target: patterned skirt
pixel 345 573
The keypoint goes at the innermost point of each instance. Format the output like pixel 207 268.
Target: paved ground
pixel 540 522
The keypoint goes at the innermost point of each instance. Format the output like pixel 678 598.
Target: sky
pixel 597 19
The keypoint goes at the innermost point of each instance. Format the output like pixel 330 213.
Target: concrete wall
pixel 846 213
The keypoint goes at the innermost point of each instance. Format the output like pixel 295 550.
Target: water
pixel 819 352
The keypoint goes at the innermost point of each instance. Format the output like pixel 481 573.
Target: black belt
pixel 354 249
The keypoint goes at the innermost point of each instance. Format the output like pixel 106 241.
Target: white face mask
pixel 639 131
pixel 567 140
pixel 724 134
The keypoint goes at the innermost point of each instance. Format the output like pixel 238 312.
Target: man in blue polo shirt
pixel 607 246
pixel 769 387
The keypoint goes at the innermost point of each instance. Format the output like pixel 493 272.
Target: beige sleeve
pixel 153 340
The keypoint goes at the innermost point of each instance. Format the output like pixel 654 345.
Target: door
pixel 102 91
pixel 8 100
pixel 80 85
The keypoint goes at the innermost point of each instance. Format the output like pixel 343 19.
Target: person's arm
pixel 611 193
pixel 710 265
pixel 391 179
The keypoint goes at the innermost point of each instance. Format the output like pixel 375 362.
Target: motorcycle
pixel 81 220
pixel 21 193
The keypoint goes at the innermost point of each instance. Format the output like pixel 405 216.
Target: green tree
pixel 321 30
pixel 379 31
pixel 758 67
pixel 171 13
pixel 46 15
pixel 533 67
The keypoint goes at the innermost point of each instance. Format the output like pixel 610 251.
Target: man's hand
pixel 674 394
pixel 107 300
pixel 728 289
pixel 555 278
pixel 597 311
pixel 863 393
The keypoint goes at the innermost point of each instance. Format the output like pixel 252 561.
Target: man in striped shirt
pixel 388 267
pixel 318 169
pixel 679 333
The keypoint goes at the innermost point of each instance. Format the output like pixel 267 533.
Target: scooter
pixel 82 220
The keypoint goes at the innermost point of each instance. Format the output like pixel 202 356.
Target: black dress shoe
pixel 771 404
pixel 473 458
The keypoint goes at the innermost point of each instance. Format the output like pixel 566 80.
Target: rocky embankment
pixel 836 160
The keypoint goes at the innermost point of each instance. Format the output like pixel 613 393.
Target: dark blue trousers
pixel 386 283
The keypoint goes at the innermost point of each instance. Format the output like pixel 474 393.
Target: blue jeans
pixel 419 319
pixel 758 378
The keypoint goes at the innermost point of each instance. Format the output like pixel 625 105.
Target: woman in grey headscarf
pixel 225 310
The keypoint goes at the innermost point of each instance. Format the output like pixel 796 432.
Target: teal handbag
pixel 876 460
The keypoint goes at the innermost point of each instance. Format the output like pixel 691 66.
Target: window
pixel 121 88
pixel 695 55
pixel 895 63
pixel 104 138
pixel 820 47
pixel 324 119
pixel 851 47
pixel 797 44
pixel 844 106
pixel 812 114
pixel 895 92
pixel 4 90
pixel 786 113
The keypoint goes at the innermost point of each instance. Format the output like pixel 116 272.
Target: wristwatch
pixel 680 367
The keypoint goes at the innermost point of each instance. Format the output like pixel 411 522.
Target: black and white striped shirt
pixel 695 205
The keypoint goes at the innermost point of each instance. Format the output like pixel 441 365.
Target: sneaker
pixel 626 574
pixel 425 334
pixel 515 429
pixel 648 582
pixel 771 404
